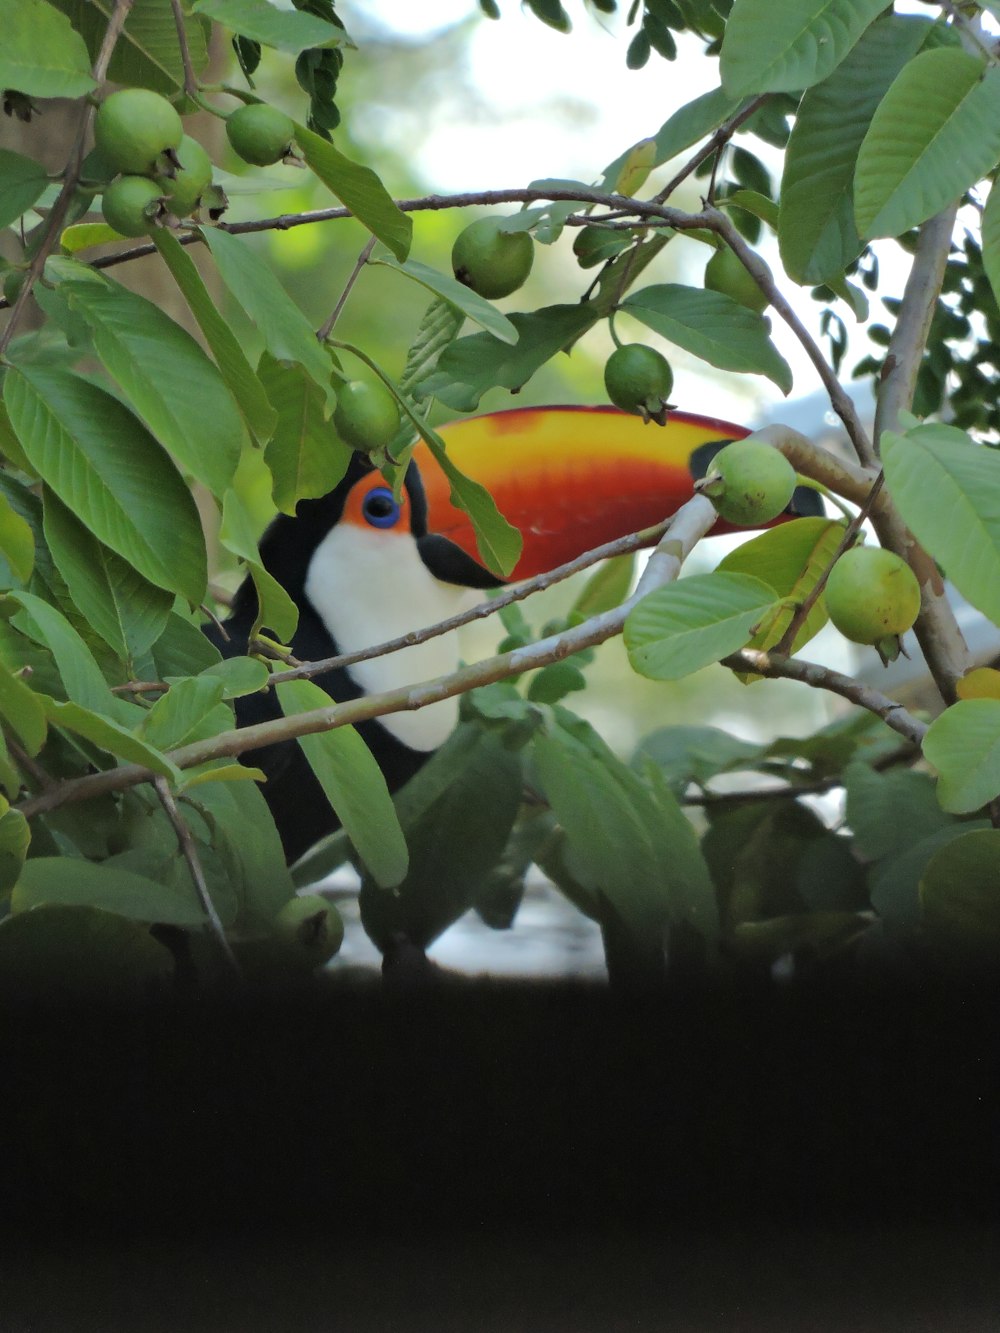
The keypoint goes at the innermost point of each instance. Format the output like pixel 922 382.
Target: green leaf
pixel 191 710
pixel 696 754
pixel 991 240
pixel 85 234
pixel 284 29
pixel 791 559
pixel 109 735
pixel 71 882
pixel 895 880
pixel 239 676
pixel 470 366
pixel 244 835
pixel 169 380
pixel 127 611
pixel 816 232
pixel 21 183
pixel 438 327
pixel 15 837
pixel 772 48
pixel 627 841
pixel 147 54
pixel 41 55
pixel 276 610
pixel 935 133
pixel 963 744
pixel 251 398
pixel 23 710
pixel 960 895
pixel 287 333
pixel 692 123
pixel 457 814
pixel 606 588
pixel 305 455
pixel 499 543
pixel 752 201
pixel 471 304
pixel 359 189
pixel 947 490
pixel 353 784
pixel 884 809
pixel 81 676
pixel 182 650
pixel 17 541
pixel 103 464
pixel 713 327
pixel 688 625
pixel 55 953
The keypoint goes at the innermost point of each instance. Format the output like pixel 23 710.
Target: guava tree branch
pixel 941 641
pixel 841 475
pixel 718 140
pixel 840 401
pixel 691 522
pixel 777 667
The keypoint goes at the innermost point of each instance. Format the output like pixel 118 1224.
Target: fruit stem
pixel 612 330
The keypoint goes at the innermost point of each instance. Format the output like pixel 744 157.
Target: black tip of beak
pixel 451 564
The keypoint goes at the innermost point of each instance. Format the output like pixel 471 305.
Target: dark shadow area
pixel 504 1156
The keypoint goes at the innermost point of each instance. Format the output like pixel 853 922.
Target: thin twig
pixel 362 260
pixel 691 522
pixel 28 765
pixel 141 687
pixel 190 78
pixel 190 854
pixel 71 175
pixel 518 592
pixel 721 137
pixel 776 667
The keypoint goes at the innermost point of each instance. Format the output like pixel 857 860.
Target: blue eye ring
pixel 380 508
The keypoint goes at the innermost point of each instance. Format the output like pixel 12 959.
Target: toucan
pixel 363 567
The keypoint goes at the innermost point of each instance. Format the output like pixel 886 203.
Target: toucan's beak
pixel 570 478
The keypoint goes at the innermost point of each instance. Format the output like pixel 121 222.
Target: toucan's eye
pixel 379 508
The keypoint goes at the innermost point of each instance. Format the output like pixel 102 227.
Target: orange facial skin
pixel 570 478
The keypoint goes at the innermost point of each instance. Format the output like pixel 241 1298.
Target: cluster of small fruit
pixel 160 170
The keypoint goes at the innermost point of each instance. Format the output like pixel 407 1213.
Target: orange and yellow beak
pixel 570 478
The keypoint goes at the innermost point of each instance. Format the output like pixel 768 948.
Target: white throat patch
pixel 368 586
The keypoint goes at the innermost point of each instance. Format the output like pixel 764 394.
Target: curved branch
pixel 777 667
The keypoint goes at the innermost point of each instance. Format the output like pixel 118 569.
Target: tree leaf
pixel 353 784
pixel 305 455
pixel 78 669
pixel 687 754
pixel 109 735
pixel 471 304
pixel 468 367
pixel 287 333
pixel 21 182
pixel 883 809
pixel 606 588
pixel 23 709
pixel 772 48
pixel 251 398
pixel 191 710
pixel 960 895
pixel 284 29
pixel 276 609
pixel 147 54
pixel 169 380
pixel 935 133
pixel 498 542
pixel 41 55
pixel 948 492
pixel 457 814
pixel 239 676
pixel 816 232
pixel 991 240
pixel 688 625
pixel 103 464
pixel 687 126
pixel 126 610
pixel 71 882
pixel 963 744
pixel 15 837
pixel 245 838
pixel 790 559
pixel 359 189
pixel 57 953
pixel 17 541
pixel 711 326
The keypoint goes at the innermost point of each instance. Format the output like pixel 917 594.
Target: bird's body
pixel 363 568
